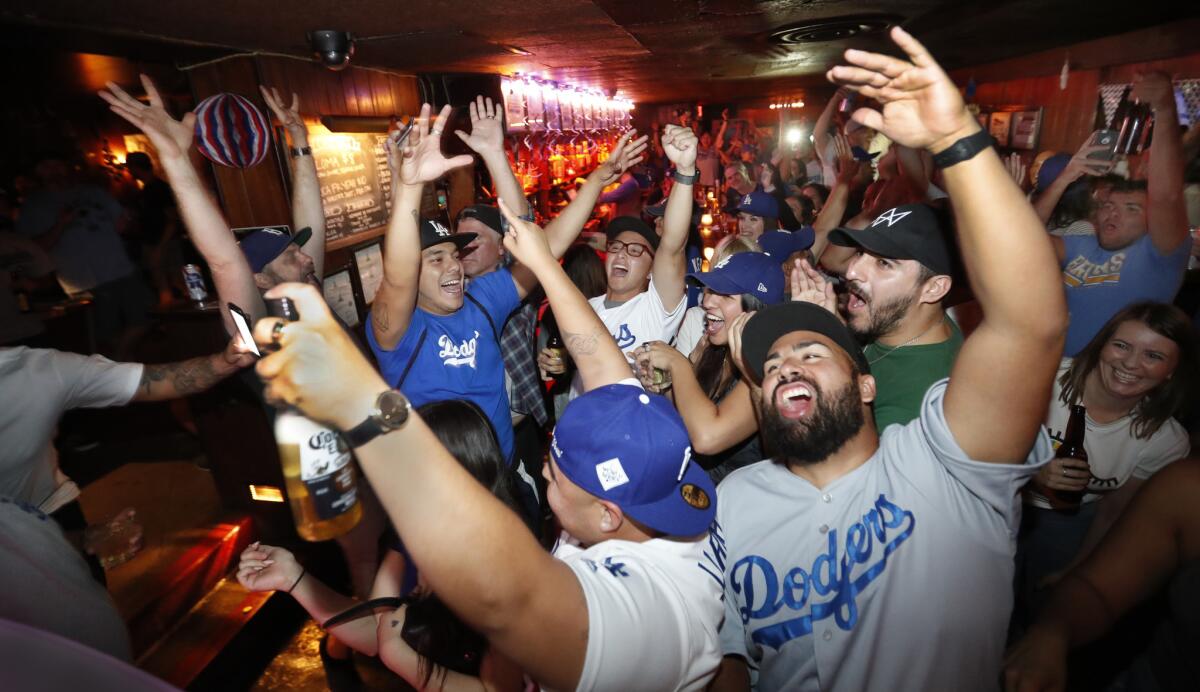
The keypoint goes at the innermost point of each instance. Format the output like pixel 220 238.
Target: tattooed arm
pixel 164 381
pixel 596 355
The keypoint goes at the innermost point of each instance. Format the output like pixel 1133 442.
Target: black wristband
pixel 297 582
pixel 963 150
pixel 685 179
pixel 302 151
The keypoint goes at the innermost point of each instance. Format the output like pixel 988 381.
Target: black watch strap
pixel 302 151
pixel 964 149
pixel 364 432
pixel 684 178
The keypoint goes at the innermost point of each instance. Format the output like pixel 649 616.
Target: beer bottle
pixel 1071 448
pixel 317 468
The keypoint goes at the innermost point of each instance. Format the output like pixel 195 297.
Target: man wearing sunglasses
pixel 645 299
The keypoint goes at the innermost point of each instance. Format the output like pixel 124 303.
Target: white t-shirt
pixel 690 330
pixel 90 251
pixel 38 386
pixel 654 610
pixel 1114 454
pixel 638 320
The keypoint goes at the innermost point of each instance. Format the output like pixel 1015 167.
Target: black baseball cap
pixel 774 321
pixel 910 231
pixel 484 213
pixel 434 233
pixel 629 223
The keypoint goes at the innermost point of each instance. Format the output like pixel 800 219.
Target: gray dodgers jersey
pixel 896 576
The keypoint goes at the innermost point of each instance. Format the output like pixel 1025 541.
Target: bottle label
pixel 326 471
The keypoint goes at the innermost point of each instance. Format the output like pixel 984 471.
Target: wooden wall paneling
pixel 381 88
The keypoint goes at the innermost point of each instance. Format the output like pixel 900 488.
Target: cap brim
pixel 655 210
pixel 460 240
pixel 302 236
pixel 773 322
pixel 676 516
pixel 874 242
pixel 719 282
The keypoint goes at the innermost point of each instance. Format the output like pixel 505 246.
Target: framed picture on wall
pixel 998 128
pixel 339 294
pixel 1025 128
pixel 368 261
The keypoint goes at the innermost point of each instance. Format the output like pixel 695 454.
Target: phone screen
pixel 243 327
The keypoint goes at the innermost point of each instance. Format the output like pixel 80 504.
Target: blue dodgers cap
pixel 752 273
pixel 781 244
pixel 1050 169
pixel 264 245
pixel 639 458
pixel 759 204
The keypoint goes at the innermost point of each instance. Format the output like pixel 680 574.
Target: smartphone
pixel 1107 138
pixel 243 326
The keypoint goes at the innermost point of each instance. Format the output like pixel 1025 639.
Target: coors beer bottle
pixel 1071 448
pixel 317 468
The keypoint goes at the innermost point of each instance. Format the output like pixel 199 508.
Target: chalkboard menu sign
pixel 355 184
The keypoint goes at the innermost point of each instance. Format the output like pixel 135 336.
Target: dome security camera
pixel 331 48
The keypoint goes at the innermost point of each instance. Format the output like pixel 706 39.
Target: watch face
pixel 393 409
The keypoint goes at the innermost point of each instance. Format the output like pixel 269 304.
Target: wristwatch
pixel 302 151
pixel 391 413
pixel 684 178
pixel 963 150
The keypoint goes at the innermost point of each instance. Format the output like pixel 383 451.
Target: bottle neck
pixel 1075 425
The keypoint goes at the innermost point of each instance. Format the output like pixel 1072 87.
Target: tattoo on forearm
pixel 186 377
pixel 382 319
pixel 581 344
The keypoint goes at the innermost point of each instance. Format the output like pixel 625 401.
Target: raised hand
pixel 848 167
pixel 810 287
pixel 680 145
pixel 267 568
pixel 421 157
pixel 526 241
pixel 317 368
pixel 487 127
pixel 624 156
pixel 656 354
pixel 288 116
pixel 1153 88
pixel 1083 163
pixel 921 106
pixel 1016 168
pixel 171 137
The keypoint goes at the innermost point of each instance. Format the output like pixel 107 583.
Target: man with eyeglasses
pixel 645 299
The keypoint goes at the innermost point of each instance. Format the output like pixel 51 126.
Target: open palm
pixel 921 107
pixel 170 137
pixel 624 156
pixel 288 116
pixel 487 127
pixel 421 159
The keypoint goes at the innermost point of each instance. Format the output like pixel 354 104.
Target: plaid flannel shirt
pixel 520 361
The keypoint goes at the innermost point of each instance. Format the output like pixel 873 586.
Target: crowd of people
pixel 823 458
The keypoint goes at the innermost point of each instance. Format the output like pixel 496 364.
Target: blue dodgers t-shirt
pixel 1100 283
pixel 460 356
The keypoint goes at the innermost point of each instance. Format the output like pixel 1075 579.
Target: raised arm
pixel 720 138
pixel 670 263
pixel 487 140
pixel 1001 379
pixel 1079 166
pixel 307 210
pixel 1166 213
pixel 479 558
pixel 414 162
pixel 850 172
pixel 821 132
pixel 592 348
pixel 1158 532
pixel 205 224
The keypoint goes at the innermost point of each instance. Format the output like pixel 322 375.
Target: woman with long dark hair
pixel 1132 378
pixel 708 389
pixel 421 640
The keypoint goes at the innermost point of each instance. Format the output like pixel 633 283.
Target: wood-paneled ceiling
pixel 649 50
